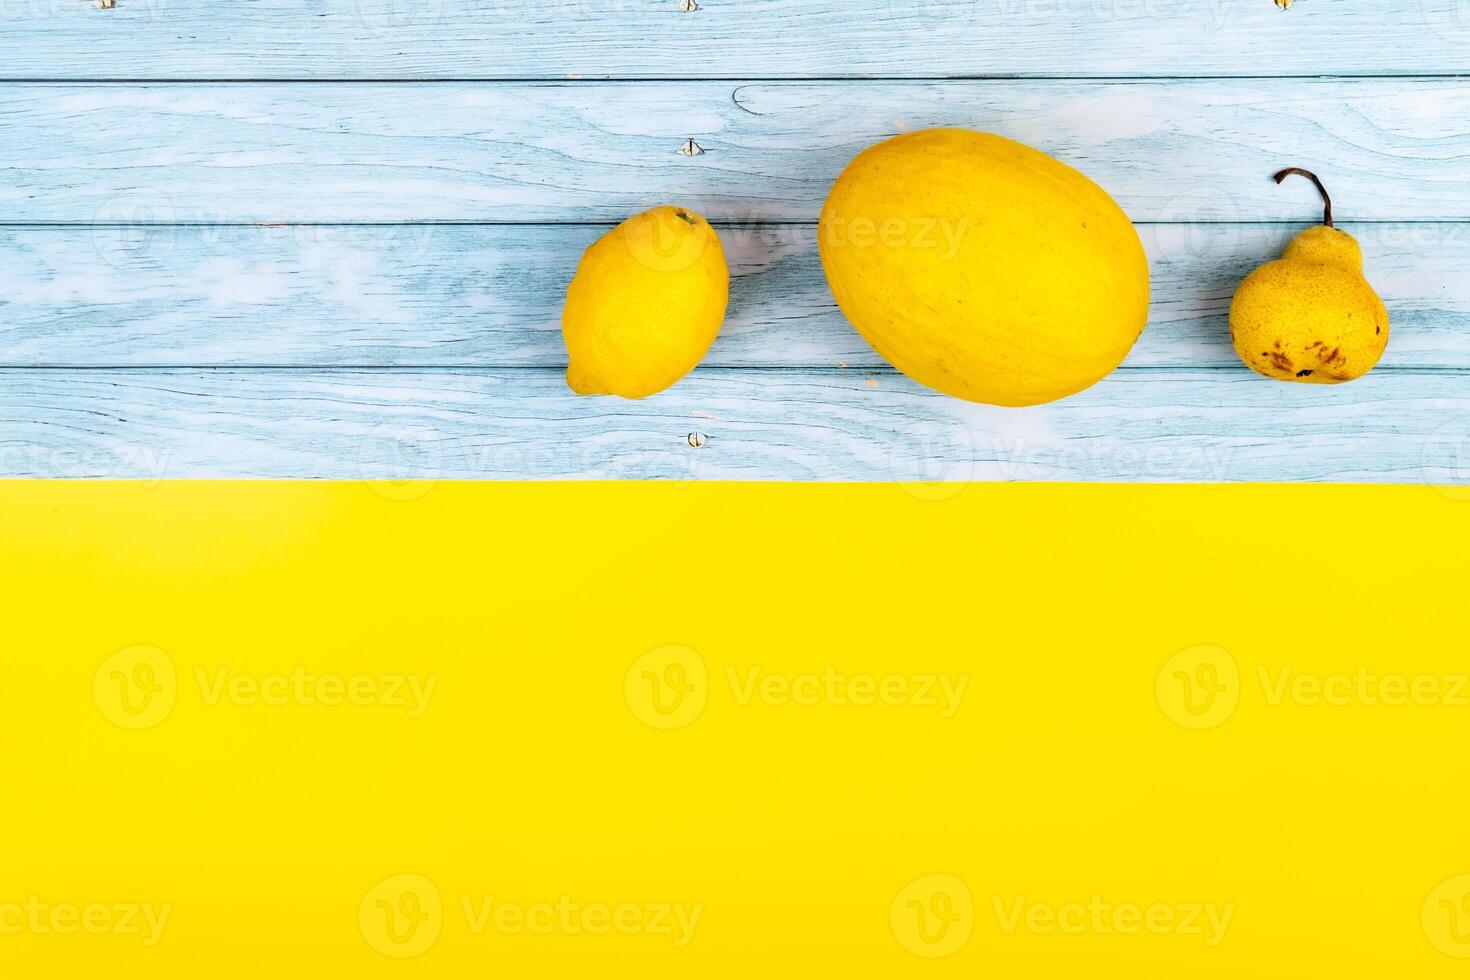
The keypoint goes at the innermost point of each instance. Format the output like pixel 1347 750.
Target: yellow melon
pixel 984 268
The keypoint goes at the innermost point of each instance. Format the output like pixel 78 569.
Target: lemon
pixel 645 305
pixel 983 268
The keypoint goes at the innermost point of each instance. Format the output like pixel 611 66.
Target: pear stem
pixel 1326 201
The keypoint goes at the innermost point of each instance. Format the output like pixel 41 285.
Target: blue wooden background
pixel 330 238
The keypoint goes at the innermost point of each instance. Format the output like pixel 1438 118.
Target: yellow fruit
pixel 984 268
pixel 645 305
pixel 1310 315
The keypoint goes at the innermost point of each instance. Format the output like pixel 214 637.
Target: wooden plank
pixel 1210 426
pixel 725 38
pixel 1204 150
pixel 490 296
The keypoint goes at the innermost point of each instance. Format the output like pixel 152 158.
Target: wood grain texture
pixel 1207 426
pixel 726 38
pixel 1172 151
pixel 213 276
pixel 490 296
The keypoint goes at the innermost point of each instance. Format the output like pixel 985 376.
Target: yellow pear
pixel 1310 315
pixel 645 305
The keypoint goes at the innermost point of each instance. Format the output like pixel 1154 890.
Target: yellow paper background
pixel 1071 776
